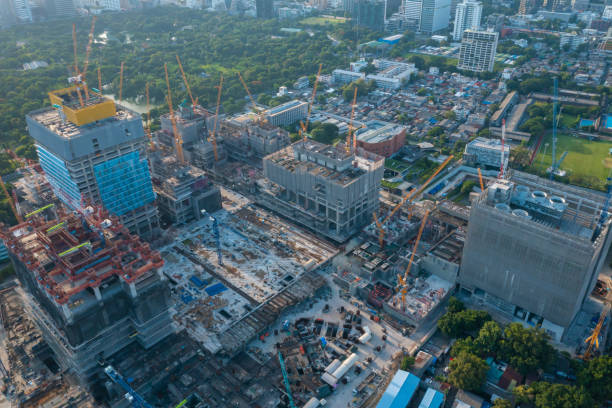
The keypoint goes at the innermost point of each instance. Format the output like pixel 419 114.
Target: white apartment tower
pixel 477 51
pixel 467 15
pixel 22 11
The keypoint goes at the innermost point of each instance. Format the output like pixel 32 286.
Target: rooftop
pixel 52 120
pixel 400 391
pixel 489 144
pixel 377 131
pixel 285 106
pixel 74 252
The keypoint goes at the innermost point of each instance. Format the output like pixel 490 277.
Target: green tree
pixel 467 372
pixel 488 339
pixel 462 323
pixel 502 403
pixel 454 305
pixel 596 377
pixel 525 349
pixel 325 133
pixel 450 115
pixel 547 395
pixel 465 345
pixel 407 363
pixel 520 156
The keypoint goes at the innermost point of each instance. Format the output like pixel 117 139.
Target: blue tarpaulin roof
pixel 400 391
pixel 432 399
pixel 215 289
pixel 197 281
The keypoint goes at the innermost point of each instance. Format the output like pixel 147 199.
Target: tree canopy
pixel 525 349
pixel 547 395
pixel 596 377
pixel 467 372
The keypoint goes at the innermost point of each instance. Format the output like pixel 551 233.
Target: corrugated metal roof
pixel 400 391
pixel 432 399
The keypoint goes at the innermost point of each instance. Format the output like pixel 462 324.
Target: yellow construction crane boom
pixel 593 339
pixel 407 197
pixel 213 139
pixel 193 101
pixel 480 179
pixel 312 98
pixel 11 203
pixel 76 64
pixel 402 280
pixel 178 140
pixel 350 130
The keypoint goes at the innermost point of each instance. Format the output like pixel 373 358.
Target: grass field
pixel 322 20
pixel 585 158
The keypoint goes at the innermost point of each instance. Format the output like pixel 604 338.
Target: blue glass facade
pixel 124 183
pixel 59 177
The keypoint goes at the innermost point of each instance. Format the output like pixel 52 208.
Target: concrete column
pixel 97 293
pixel 133 290
pixel 67 312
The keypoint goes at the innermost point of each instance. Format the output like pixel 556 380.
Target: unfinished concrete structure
pixel 193 125
pixel 534 249
pixel 183 190
pixel 94 151
pixel 328 189
pixel 246 137
pixel 93 287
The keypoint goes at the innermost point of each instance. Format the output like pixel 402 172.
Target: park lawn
pixel 321 21
pixel 396 165
pixel 585 157
pixel 432 59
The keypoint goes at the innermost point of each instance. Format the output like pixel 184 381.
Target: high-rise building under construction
pixel 534 249
pixel 329 189
pixel 93 288
pixel 94 151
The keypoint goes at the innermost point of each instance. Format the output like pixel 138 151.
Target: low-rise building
pixel 485 152
pixel 381 138
pixel 287 113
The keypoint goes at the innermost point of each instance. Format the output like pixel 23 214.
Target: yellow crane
pixel 213 139
pixel 312 98
pixel 407 197
pixel 480 179
pixel 402 280
pixel 194 102
pixel 87 52
pixel 350 130
pixel 76 65
pixel 178 140
pixel 593 339
pixel 260 116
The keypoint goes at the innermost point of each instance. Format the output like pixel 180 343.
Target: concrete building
pixel 411 12
pixel 96 153
pixel 369 13
pixel 485 152
pixel 246 137
pixel 183 191
pixel 571 40
pixel 467 15
pixel 287 113
pixel 381 138
pixel 477 51
pixel 60 8
pixel 534 249
pixel 435 15
pixel 327 189
pixel 264 8
pixel 391 74
pixel 342 76
pixel 92 287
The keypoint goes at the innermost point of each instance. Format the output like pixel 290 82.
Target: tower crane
pixel 402 280
pixel 350 130
pixel 286 380
pixel 261 118
pixel 503 161
pixel 11 203
pixel 407 197
pixel 193 101
pixel 213 136
pixel 178 140
pixel 76 77
pixel 131 395
pixel 217 235
pixel 480 179
pixel 554 130
pixel 87 52
pixel 312 98
pixel 593 339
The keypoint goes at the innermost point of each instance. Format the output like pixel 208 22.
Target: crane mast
pixel 178 140
pixel 213 136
